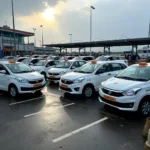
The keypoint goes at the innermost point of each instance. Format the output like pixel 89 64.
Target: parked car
pixel 86 79
pixel 85 58
pixel 53 57
pixel 63 67
pixel 112 58
pixel 18 78
pixel 42 66
pixel 9 58
pixel 67 58
pixel 129 90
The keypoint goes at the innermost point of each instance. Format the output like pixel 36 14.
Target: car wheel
pixel 144 108
pixel 87 91
pixel 44 74
pixel 13 91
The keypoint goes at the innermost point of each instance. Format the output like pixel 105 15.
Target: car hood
pixel 121 84
pixel 57 70
pixel 75 75
pixel 30 76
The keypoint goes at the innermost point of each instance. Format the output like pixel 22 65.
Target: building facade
pixel 7 45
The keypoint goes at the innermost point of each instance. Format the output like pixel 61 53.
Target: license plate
pixel 37 85
pixel 64 86
pixel 109 98
pixel 52 77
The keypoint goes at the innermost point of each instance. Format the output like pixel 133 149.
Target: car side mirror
pixel 73 67
pixel 2 71
pixel 31 64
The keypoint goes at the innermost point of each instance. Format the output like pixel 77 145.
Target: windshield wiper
pixel 123 77
pixel 140 79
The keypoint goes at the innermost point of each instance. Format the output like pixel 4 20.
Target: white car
pixel 18 78
pixel 62 68
pixel 112 58
pixel 87 78
pixel 85 58
pixel 129 90
pixel 43 66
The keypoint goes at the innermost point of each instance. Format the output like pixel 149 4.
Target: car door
pixel 116 68
pixel 102 74
pixel 4 78
pixel 75 65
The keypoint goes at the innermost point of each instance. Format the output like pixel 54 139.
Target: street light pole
pixel 13 20
pixel 91 8
pixel 34 37
pixel 71 41
pixel 42 35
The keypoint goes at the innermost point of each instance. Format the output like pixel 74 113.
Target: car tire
pixel 44 74
pixel 144 107
pixel 88 91
pixel 13 91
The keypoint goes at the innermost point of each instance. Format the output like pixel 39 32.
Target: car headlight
pixel 132 92
pixel 79 80
pixel 101 86
pixel 22 80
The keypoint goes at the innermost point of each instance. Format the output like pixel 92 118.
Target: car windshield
pixel 87 68
pixel 101 58
pixel 19 68
pixel 63 65
pixel 40 63
pixel 136 73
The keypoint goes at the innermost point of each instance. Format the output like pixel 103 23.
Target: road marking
pixel 50 94
pixel 79 130
pixel 33 99
pixel 48 109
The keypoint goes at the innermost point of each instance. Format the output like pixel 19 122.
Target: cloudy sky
pixel 112 19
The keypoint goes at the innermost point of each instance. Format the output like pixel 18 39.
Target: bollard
pixel 146 128
pixel 147 144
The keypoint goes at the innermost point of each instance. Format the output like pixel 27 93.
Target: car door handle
pixel 109 74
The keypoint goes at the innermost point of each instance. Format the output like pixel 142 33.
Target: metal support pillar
pixel 60 51
pixel 66 51
pixel 79 51
pixel 104 49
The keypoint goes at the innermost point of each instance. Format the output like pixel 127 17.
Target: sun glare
pixel 49 13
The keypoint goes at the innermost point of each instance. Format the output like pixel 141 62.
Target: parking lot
pixel 53 120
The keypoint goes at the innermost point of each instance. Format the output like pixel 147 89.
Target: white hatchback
pixel 63 67
pixel 87 78
pixel 129 90
pixel 18 78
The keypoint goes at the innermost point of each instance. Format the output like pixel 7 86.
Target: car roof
pixel 7 62
pixel 148 65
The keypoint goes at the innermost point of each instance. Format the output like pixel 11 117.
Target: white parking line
pixel 33 99
pixel 48 109
pixel 79 130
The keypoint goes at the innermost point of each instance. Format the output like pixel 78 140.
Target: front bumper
pixel 53 77
pixel 72 88
pixel 29 88
pixel 124 103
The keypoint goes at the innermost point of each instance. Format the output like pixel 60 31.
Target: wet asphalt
pixel 47 121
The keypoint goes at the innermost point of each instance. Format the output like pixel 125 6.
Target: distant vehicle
pixel 85 58
pixel 67 58
pixel 86 79
pixel 129 90
pixel 62 68
pixel 18 56
pixel 9 58
pixel 53 57
pixel 22 59
pixel 27 56
pixel 112 58
pixel 18 78
pixel 42 66
pixel 35 56
pixel 43 56
pixel 144 53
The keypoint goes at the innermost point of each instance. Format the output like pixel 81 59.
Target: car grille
pixel 121 105
pixel 66 81
pixel 55 74
pixel 112 93
pixel 31 89
pixel 36 81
